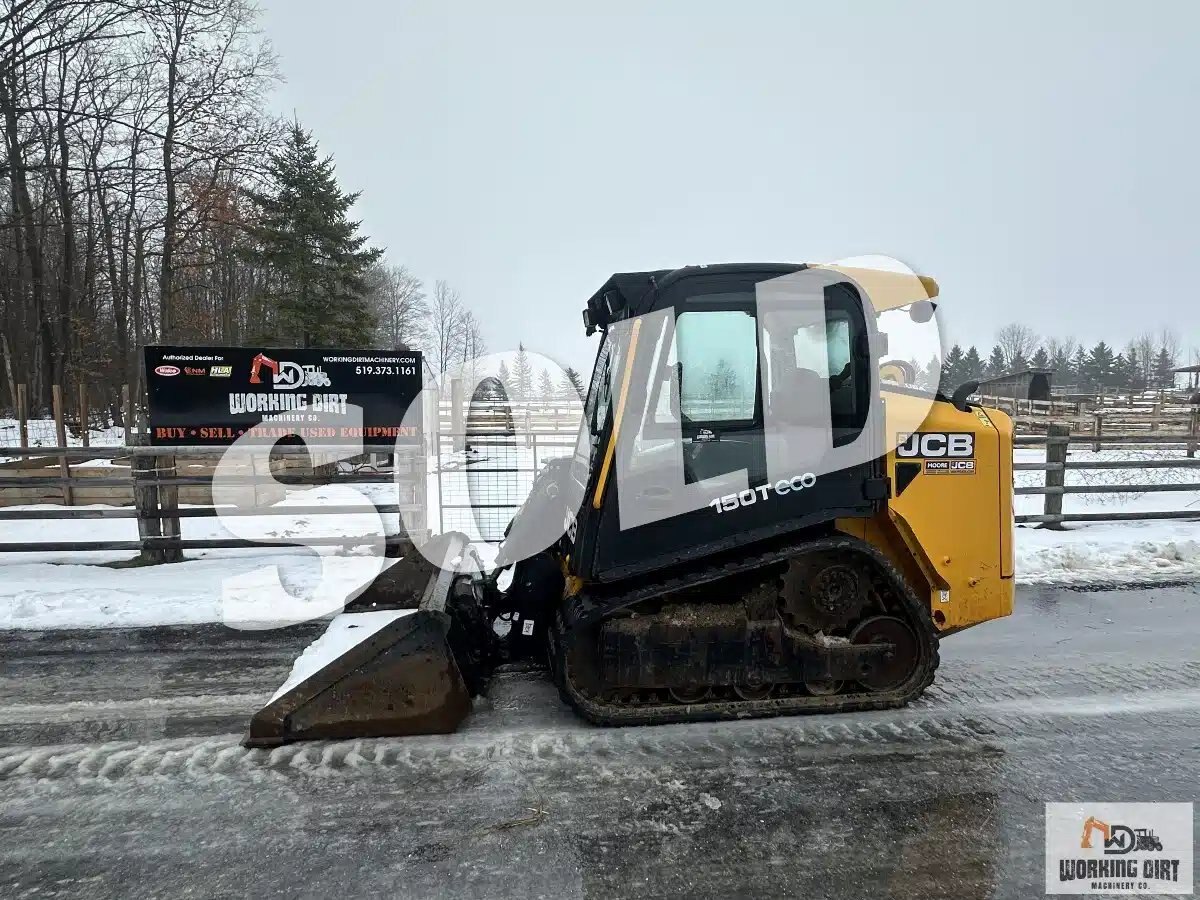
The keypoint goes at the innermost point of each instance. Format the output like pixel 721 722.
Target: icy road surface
pixel 121 774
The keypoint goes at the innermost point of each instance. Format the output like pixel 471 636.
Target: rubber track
pixel 610 714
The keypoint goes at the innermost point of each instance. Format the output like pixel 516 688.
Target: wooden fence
pixel 502 417
pixel 1102 416
pixel 72 413
pixel 1057 463
pixel 163 486
pixel 154 479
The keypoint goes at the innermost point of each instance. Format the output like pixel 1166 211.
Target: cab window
pixel 717 365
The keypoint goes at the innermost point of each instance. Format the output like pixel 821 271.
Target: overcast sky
pixel 1038 159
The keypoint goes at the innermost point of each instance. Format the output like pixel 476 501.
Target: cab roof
pixel 627 290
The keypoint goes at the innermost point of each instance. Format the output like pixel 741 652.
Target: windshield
pixel 599 390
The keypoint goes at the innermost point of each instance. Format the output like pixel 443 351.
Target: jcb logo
pixel 936 445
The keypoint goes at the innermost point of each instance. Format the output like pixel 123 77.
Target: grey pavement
pixel 121 774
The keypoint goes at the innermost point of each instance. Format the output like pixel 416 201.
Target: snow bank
pixel 39 595
pixel 1109 552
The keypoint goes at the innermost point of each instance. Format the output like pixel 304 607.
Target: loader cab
pixel 685 379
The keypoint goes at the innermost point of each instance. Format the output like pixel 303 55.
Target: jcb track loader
pixel 810 591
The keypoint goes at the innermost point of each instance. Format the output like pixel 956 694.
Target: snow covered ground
pixel 1111 551
pixel 61 590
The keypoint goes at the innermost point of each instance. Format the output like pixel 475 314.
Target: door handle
pixel 655 497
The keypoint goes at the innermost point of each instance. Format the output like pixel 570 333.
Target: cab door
pixel 704 371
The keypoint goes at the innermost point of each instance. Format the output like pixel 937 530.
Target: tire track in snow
pixel 951 724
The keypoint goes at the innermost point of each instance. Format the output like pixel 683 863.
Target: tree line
pixel 147 195
pixel 1147 362
pixel 520 381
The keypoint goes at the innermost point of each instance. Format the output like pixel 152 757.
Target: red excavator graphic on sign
pixel 288 375
pixel 259 361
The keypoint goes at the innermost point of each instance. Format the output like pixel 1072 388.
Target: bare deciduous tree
pixel 211 71
pixel 398 298
pixel 446 327
pixel 134 134
pixel 1145 349
pixel 1018 342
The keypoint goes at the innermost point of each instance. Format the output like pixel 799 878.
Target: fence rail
pixel 1058 441
pixel 492 476
pixel 155 482
pixel 1103 418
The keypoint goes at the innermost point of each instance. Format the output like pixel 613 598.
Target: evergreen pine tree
pixel 1099 365
pixel 1080 371
pixel 316 290
pixel 1133 364
pixel 953 368
pixel 1121 375
pixel 504 375
pixel 545 386
pixel 1164 369
pixel 1060 362
pixel 1041 360
pixel 931 375
pixel 972 365
pixel 995 363
pixel 571 385
pixel 522 375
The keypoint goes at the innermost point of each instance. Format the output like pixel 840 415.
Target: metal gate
pixel 484 474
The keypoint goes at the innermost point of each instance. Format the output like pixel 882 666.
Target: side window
pixel 827 354
pixel 824 351
pixel 716 358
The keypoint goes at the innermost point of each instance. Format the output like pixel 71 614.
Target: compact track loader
pixel 816 589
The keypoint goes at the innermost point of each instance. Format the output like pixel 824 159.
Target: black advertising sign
pixel 213 395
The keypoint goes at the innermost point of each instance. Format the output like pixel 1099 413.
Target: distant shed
pixel 1028 384
pixel 1193 374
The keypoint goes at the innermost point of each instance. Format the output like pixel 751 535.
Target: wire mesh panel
pixel 481 487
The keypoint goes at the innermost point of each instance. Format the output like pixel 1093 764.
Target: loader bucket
pixel 381 673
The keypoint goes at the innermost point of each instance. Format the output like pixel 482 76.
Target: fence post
pixel 168 507
pixel 458 438
pixel 60 432
pixel 420 499
pixel 145 500
pixel 127 415
pixel 23 414
pixel 1195 432
pixel 1057 437
pixel 1099 430
pixel 84 426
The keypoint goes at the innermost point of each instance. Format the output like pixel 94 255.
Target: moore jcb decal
pixel 949 467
